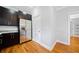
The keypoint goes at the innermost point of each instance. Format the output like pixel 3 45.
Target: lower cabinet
pixel 9 39
pixel 1 41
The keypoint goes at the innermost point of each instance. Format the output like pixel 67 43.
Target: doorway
pixel 74 25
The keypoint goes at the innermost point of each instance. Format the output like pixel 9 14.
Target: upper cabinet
pixel 24 16
pixel 29 17
pixel 7 18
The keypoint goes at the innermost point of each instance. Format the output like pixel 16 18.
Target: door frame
pixel 70 17
pixel 68 22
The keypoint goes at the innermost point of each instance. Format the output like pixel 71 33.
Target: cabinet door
pixel 10 39
pixel 15 37
pixel 6 39
pixel 1 41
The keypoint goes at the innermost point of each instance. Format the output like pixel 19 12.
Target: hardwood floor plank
pixel 34 47
pixel 72 48
pixel 27 47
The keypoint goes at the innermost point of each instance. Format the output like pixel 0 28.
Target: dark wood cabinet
pixel 9 39
pixel 7 18
pixel 1 40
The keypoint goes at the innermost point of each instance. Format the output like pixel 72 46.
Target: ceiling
pixel 29 9
pixel 57 8
pixel 24 9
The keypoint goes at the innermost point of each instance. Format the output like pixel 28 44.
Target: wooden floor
pixel 28 47
pixel 72 48
pixel 33 47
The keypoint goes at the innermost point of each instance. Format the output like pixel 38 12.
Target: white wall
pixel 51 24
pixel 36 24
pixel 43 26
pixel 62 22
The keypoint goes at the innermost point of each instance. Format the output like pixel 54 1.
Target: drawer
pixel 6 36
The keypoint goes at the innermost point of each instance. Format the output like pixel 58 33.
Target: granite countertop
pixel 8 29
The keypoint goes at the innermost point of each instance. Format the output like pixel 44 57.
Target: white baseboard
pixel 47 47
pixel 66 43
pixel 51 48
